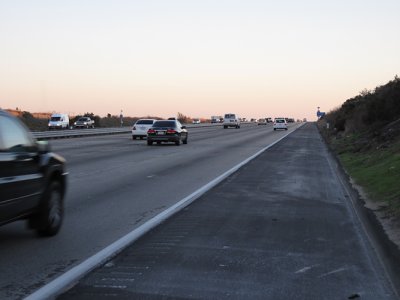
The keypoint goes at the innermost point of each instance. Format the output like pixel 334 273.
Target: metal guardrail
pixel 74 133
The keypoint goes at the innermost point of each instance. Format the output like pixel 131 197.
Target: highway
pixel 116 184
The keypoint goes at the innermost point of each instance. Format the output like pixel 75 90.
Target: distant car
pixel 269 120
pixel 216 119
pixel 32 179
pixel 262 121
pixel 140 128
pixel 280 123
pixel 196 121
pixel 167 131
pixel 231 120
pixel 84 122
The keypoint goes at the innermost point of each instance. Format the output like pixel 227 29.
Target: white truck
pixel 231 120
pixel 58 121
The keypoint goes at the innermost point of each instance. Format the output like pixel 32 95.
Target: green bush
pixel 370 109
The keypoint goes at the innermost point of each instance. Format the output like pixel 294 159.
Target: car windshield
pixel 55 119
pixel 82 119
pixel 144 122
pixel 164 124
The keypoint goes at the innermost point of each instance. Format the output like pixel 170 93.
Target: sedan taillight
pixel 171 131
pixel 151 131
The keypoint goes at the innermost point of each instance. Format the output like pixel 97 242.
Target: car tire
pixel 285 128
pixel 178 142
pixel 149 143
pixel 48 220
pixel 274 129
pixel 225 127
pixel 185 141
pixel 133 137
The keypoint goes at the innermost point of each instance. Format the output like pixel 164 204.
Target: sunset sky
pixel 200 58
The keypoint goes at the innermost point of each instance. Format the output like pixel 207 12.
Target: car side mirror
pixel 43 147
pixel 183 127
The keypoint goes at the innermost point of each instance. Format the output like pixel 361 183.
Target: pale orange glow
pixel 256 59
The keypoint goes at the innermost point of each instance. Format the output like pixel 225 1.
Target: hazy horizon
pixel 200 58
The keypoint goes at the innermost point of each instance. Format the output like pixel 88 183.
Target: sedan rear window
pixel 230 116
pixel 146 122
pixel 280 121
pixel 164 124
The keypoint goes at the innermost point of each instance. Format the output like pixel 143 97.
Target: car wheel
pixel 133 137
pixel 178 142
pixel 48 220
pixel 185 140
pixel 274 129
pixel 285 128
pixel 149 143
pixel 225 127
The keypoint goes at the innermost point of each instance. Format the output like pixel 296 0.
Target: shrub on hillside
pixel 115 121
pixel 370 109
pixel 34 124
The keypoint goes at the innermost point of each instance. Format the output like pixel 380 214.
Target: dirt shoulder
pixel 390 223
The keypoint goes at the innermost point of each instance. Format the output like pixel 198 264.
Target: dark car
pixel 167 131
pixel 84 122
pixel 32 179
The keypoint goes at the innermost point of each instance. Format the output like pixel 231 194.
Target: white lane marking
pixel 66 280
pixel 333 272
pixel 303 270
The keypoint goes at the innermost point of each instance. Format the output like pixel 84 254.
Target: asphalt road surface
pixel 282 227
pixel 116 184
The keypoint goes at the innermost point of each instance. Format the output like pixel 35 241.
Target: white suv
pixel 231 120
pixel 280 123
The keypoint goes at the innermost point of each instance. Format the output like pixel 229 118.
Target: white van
pixel 231 120
pixel 58 121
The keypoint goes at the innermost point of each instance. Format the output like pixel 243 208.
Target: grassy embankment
pixel 376 170
pixel 365 133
